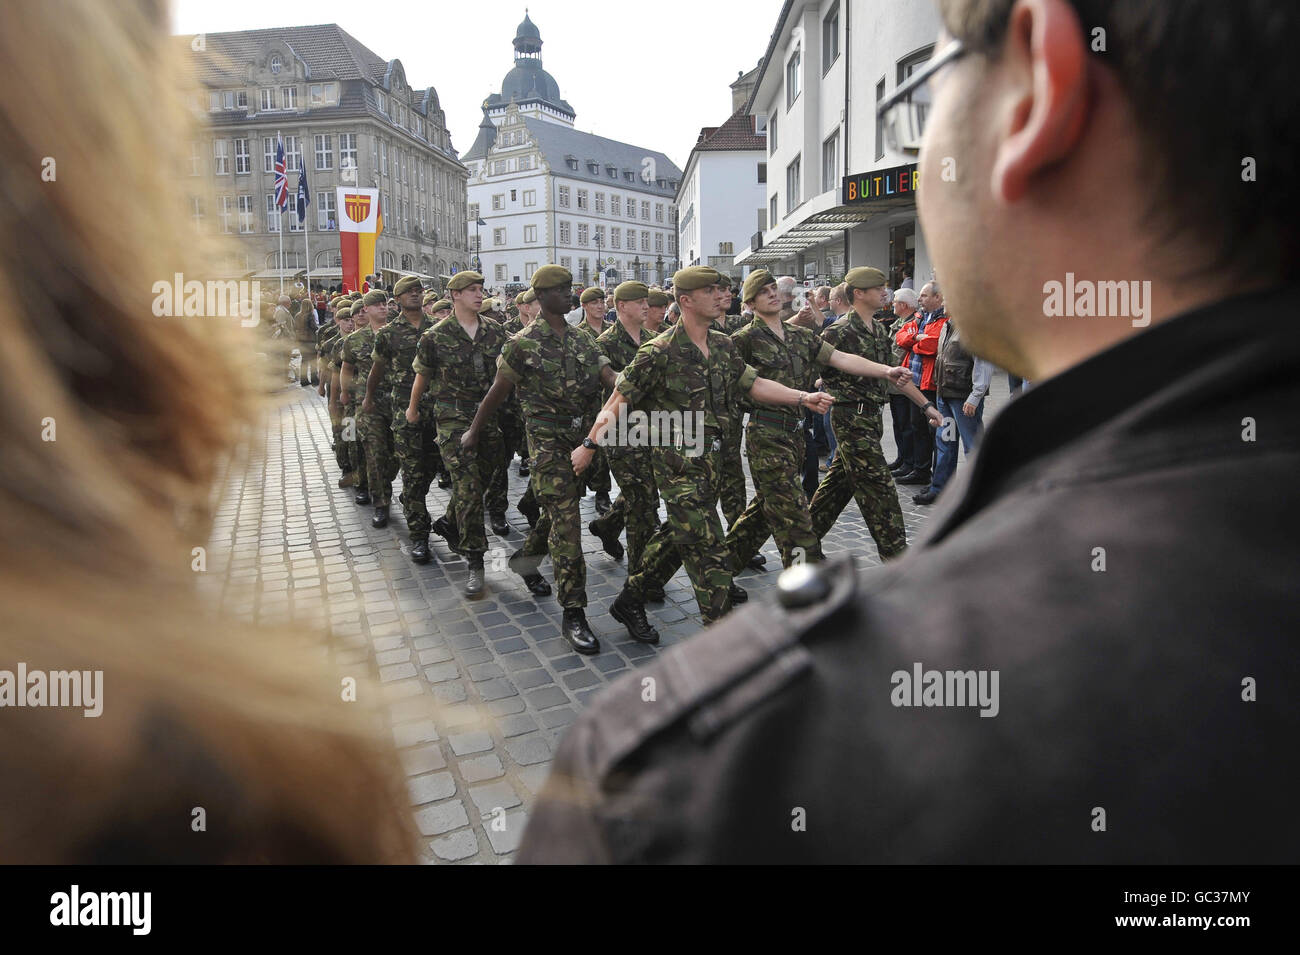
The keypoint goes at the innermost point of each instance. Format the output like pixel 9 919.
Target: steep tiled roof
pixel 330 52
pixel 736 133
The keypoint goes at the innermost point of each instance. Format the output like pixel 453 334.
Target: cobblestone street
pixel 290 547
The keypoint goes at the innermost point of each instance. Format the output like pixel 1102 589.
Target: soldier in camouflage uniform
pixel 694 374
pixel 324 336
pixel 437 309
pixel 414 444
pixel 731 490
pixel 792 355
pixel 495 497
pixel 594 322
pixel 558 371
pixel 638 501
pixel 337 396
pixel 528 506
pixel 373 431
pixel 456 360
pixel 859 472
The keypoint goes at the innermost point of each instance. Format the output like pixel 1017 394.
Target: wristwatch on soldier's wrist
pixel 588 443
pixel 927 406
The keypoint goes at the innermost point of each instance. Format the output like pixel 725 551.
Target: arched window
pixel 277 64
pixel 406 263
pixel 426 264
pixel 442 266
pixel 328 260
pixel 389 260
pixel 291 260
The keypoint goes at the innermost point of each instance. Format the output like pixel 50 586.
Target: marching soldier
pixel 392 372
pixel 731 489
pixel 637 500
pixel 859 472
pixel 658 301
pixel 593 321
pixel 375 429
pixel 693 373
pixel 337 400
pixel 528 310
pixel 558 371
pixel 458 358
pixel 790 354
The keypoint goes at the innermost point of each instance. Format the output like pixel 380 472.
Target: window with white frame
pixel 500 273
pixel 582 198
pixel 566 262
pixel 529 269
pixel 792 78
pixel 771 136
pixel 600 202
pixel 381 101
pixel 268 154
pixel 324 151
pixel 292 153
pixel 473 210
pixel 598 234
pixel 277 64
pixel 659 241
pixel 772 216
pixel 792 190
pixel 196 158
pixel 499 201
pixel 565 231
pixel 564 197
pixel 245 213
pixel 530 197
pixel 243 163
pixel 582 233
pixel 225 212
pixel 615 237
pixel 659 212
pixel 645 241
pixel 631 208
pixel 214 100
pixel 530 233
pixel 615 205
pixel 220 157
pixel 273 215
pixel 325 211
pixel 383 159
pixel 268 100
pixel 831 37
pixel 498 236
pixel 196 211
pixel 831 162
pixel 289 97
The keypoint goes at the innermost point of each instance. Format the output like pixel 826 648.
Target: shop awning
pixel 817 227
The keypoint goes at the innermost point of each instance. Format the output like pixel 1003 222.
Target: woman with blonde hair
pixel 214 742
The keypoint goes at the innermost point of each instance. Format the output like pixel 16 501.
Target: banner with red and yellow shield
pixel 360 224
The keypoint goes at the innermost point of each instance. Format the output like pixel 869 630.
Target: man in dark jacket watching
pixel 1090 654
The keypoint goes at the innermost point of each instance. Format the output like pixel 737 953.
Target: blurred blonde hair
pixel 100 522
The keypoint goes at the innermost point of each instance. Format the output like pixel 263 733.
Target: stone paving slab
pixel 479 692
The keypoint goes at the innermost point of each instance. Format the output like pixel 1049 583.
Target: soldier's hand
pixel 819 402
pixel 933 416
pixel 412 415
pixel 898 377
pixel 581 458
pixel 469 439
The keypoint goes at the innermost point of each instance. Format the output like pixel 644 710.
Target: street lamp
pixel 636 268
pixel 478 247
pixel 659 268
pixel 600 265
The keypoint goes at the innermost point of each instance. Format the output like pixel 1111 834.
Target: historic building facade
pixel 546 192
pixel 348 117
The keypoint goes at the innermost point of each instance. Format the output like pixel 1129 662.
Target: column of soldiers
pixel 457 385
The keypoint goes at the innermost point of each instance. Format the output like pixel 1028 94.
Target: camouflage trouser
pixel 512 436
pixel 597 474
pixel 417 453
pixel 471 472
pixel 638 502
pixel 731 482
pixel 376 431
pixel 352 442
pixel 559 530
pixel 692 533
pixel 779 507
pixel 336 430
pixel 860 473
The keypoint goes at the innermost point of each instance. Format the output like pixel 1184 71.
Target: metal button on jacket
pixel 802 586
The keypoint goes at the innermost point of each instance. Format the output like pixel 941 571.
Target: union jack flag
pixel 281 176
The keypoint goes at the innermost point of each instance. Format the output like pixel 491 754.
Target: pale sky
pixel 646 73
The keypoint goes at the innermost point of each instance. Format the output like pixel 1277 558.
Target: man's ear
pixel 1045 56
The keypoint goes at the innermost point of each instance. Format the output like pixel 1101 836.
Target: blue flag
pixel 304 195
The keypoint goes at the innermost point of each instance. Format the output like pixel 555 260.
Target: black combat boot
pixel 498 524
pixel 530 510
pixel 738 595
pixel 603 503
pixel 609 541
pixel 381 516
pixel 632 615
pixel 361 498
pixel 576 631
pixel 420 552
pixel 527 569
pixel 474 581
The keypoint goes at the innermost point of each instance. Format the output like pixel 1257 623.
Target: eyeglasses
pixel 902 115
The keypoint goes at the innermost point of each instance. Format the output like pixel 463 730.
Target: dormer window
pixel 277 64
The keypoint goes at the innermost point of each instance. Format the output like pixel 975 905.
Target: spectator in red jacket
pixel 919 340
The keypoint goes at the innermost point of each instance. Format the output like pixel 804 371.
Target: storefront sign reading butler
pixel 880 184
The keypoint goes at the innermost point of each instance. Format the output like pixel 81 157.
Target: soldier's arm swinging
pixel 418 389
pixel 498 393
pixel 376 375
pixel 768 392
pixel 581 457
pixel 866 368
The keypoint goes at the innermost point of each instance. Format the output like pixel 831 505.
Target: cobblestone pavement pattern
pixel 290 547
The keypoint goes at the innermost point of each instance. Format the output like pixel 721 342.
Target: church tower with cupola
pixel 527 85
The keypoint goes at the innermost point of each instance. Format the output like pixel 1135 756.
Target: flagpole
pixel 280 261
pixel 306 245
